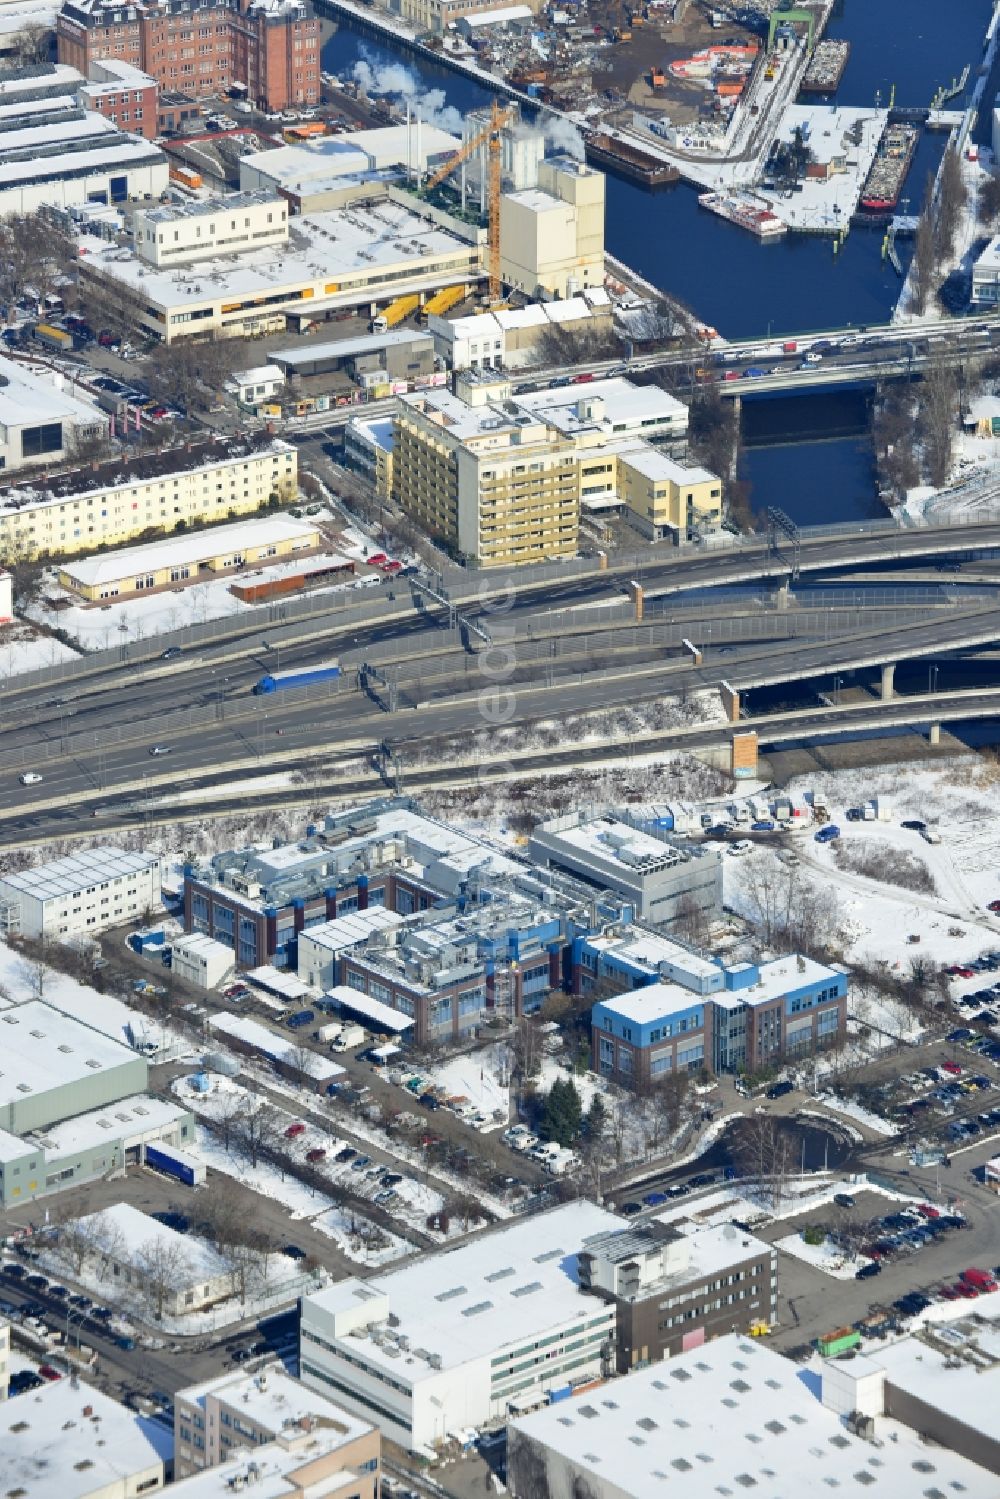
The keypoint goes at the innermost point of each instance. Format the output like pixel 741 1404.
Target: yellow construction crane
pixel 489 134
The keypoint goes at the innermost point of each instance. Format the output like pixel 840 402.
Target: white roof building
pixel 254 1037
pixel 731 1417
pixel 70 162
pixel 304 168
pixel 68 1440
pixel 320 947
pixel 81 894
pixel 55 1067
pixel 459 1338
pixel 39 418
pixel 136 1244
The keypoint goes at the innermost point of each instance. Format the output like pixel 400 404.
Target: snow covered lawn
pixel 24 648
pixel 828 1257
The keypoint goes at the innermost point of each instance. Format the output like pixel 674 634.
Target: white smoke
pixel 562 136
pixel 393 79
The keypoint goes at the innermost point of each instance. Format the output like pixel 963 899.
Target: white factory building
pixel 731 1417
pixel 341 258
pixel 76 157
pixel 314 175
pixel 320 948
pixel 41 420
pixel 466 1336
pixel 81 894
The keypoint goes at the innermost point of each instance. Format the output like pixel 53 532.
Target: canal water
pixel 739 285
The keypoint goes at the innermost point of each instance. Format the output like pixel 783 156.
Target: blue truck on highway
pixel 301 676
pixel 175 1163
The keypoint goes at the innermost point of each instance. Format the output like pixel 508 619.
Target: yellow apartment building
pixel 116 502
pixel 665 497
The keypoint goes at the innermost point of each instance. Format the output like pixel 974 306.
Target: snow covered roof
pixel 30 395
pixel 384 1017
pixel 272 1399
pixel 76 872
pixel 194 547
pixel 734 1417
pixel 347 931
pixel 129 1120
pixel 68 1441
pixel 279 981
pixel 501 17
pixel 43 1050
pixel 462 1303
pixel 270 1044
pixel 130 1231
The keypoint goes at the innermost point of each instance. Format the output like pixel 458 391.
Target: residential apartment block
pixel 235 1412
pixel 272 47
pixel 80 894
pixel 673 1291
pixel 117 501
pixel 501 479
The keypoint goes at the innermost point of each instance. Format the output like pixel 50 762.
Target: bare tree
pixel 164 1266
pixel 951 200
pixel 32 44
pixel 938 398
pixel 80 1238
pixel 989 202
pixel 259 1129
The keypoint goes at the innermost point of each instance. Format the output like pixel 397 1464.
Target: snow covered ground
pixel 25 648
pixel 481 1077
pixel 828 1257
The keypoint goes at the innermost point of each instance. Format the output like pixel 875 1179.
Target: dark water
pixel 918 46
pixel 816 483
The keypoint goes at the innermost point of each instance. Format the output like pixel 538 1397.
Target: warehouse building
pixel 197 556
pixel 183 233
pixel 216 1419
pixel 300 1065
pixel 176 487
pixel 373 252
pixel 68 1440
pixel 399 354
pixel 87 1147
pixel 661 878
pixel 674 1291
pixel 493 340
pixel 466 1336
pixel 40 421
pixel 56 1067
pixel 74 157
pixel 80 894
pixel 730 1417
pixel 316 174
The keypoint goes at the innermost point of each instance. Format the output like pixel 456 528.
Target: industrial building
pixel 401 354
pixel 89 1146
pixel 69 1440
pixel 114 502
pixel 465 1336
pixel 552 235
pixel 40 420
pixel 270 47
pixel 659 876
pixel 386 853
pixel 729 1417
pixel 60 154
pixel 674 1291
pixel 298 1064
pixel 322 948
pixel 439 16
pixel 80 894
pixel 56 1068
pixel 199 555
pixel 342 258
pixel 501 478
pixel 315 175
pixel 215 1420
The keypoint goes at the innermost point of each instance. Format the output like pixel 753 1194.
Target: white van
pixel 29 778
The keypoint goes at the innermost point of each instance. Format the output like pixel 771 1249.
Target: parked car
pixel 629 1209
pixel 294 1130
pixel 866 1272
pixel 655 1199
pixel 294 1252
pixel 843 1199
pixel 828 833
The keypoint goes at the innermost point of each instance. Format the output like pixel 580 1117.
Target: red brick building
pixel 270 46
pixel 124 95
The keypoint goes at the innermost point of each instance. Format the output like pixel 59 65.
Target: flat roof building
pixel 200 960
pixel 298 1064
pixel 659 876
pixel 40 421
pixel 552 235
pixel 236 1411
pixel 674 1291
pixel 460 1338
pixel 730 1417
pixel 57 1067
pixel 297 1464
pixel 373 251
pixel 198 554
pixel 68 1440
pixel 81 893
pixel 308 174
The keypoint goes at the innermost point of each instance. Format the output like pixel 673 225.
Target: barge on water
pixel 885 180
pixel 745 213
pixel 625 160
pixel 826 67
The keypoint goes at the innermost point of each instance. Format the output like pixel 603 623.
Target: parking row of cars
pixel 371 1180
pixel 904 1232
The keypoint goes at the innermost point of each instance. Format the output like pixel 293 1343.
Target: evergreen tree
pixel 596 1120
pixel 562 1115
